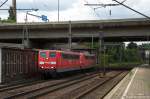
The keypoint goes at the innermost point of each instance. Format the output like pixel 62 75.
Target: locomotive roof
pixel 70 52
pixel 61 51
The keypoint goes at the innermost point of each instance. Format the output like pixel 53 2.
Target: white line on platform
pixel 129 84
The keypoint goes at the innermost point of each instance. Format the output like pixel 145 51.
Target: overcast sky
pixel 76 10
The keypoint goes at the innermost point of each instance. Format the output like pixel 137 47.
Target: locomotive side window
pixel 52 54
pixel 70 56
pixel 75 57
pixel 43 54
pixel 65 56
pixel 89 57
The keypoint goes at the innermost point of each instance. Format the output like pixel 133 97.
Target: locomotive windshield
pixel 52 54
pixel 43 54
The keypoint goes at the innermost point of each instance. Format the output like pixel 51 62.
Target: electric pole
pixel 14 9
pixel 58 10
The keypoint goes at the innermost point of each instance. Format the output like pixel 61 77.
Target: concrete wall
pixel 125 28
pixel 133 31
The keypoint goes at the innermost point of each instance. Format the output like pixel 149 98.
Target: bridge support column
pixel 25 37
pixel 27 43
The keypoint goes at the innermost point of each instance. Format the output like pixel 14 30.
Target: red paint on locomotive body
pixel 63 61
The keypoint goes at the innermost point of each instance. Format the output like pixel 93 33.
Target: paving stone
pixel 139 88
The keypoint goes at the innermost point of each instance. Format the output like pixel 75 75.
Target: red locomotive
pixel 56 61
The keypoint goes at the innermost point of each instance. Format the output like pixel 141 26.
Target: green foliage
pixel 132 45
pixel 104 59
pixel 11 18
pixel 145 46
pixel 11 14
pixel 7 21
pixel 120 54
pixel 131 55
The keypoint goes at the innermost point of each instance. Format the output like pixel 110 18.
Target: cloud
pixel 45 5
pixel 4 13
pixel 120 12
pixel 76 10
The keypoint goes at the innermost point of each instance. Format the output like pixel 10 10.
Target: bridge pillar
pixel 27 43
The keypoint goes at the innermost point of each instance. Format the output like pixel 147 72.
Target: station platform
pixel 136 85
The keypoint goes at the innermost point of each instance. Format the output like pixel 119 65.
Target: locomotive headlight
pixel 42 67
pixel 53 63
pixel 41 63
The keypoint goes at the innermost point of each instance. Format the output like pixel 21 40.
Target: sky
pixel 76 10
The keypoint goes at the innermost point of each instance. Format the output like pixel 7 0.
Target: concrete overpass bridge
pixel 44 33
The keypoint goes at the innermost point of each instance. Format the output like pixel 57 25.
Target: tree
pixel 11 14
pixel 132 45
pixel 145 46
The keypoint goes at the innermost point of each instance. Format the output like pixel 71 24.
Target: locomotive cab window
pixel 52 54
pixel 43 54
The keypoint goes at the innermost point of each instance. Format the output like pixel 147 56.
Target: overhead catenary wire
pixel 132 9
pixel 102 5
pixel 22 9
pixel 94 9
pixel 3 3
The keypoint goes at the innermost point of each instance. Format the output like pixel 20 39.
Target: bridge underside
pixel 51 33
pixel 41 42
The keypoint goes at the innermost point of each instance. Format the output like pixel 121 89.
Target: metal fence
pixel 17 64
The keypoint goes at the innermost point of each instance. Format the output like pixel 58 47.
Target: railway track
pixel 20 91
pixel 19 85
pixel 81 90
pixel 101 90
pixel 78 87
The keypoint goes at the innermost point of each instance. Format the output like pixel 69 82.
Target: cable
pixel 3 3
pixel 132 9
pixel 94 9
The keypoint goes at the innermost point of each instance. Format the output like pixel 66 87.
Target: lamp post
pixel 26 19
pixel 27 12
pixel 25 39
